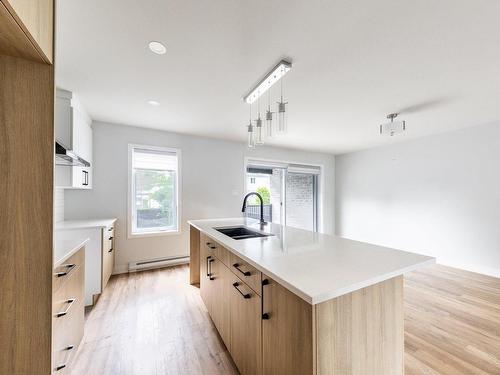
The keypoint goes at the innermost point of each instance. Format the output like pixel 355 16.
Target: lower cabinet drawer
pixel 68 314
pixel 66 270
pixel 66 300
pixel 249 274
pixel 66 339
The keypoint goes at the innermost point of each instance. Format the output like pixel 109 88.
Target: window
pixel 154 190
pixel 290 192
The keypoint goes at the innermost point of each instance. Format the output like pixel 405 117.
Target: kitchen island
pixel 299 302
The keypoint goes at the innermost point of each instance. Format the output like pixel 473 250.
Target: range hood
pixel 69 158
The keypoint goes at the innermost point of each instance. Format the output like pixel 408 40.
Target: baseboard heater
pixel 157 263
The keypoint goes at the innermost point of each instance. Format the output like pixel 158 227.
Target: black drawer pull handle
pixel 211 245
pixel 246 296
pixel 60 367
pixel 110 238
pixel 208 266
pixel 64 273
pixel 110 250
pixel 69 347
pixel 110 229
pixel 70 303
pixel 245 273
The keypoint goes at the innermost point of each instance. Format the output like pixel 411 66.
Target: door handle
pixel 210 264
pixel 245 295
pixel 265 316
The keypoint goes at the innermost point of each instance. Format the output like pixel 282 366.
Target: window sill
pixel 154 234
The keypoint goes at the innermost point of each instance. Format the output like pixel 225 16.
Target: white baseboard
pixel 124 268
pixel 489 271
pixel 120 268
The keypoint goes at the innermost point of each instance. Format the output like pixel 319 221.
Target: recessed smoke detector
pixel 157 47
pixel 393 127
pixel 154 103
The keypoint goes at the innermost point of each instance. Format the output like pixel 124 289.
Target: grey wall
pixel 212 184
pixel 438 195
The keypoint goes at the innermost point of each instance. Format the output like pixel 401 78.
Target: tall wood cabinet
pixel 35 21
pixel 26 191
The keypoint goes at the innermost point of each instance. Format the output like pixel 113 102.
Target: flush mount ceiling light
pixel 154 103
pixel 392 127
pixel 157 47
pixel 256 133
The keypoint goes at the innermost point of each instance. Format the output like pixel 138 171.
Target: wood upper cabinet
pixel 246 326
pixel 287 342
pixel 35 18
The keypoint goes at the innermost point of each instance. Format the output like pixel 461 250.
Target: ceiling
pixel 354 61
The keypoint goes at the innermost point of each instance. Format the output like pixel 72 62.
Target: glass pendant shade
pixel 250 136
pixel 282 117
pixel 269 123
pixel 259 137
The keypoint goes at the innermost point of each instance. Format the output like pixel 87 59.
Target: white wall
pixel 438 195
pixel 58 205
pixel 212 184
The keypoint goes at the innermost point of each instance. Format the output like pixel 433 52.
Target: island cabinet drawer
pixel 213 248
pixel 249 274
pixel 65 271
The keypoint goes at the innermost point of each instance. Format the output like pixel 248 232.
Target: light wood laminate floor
pixel 154 322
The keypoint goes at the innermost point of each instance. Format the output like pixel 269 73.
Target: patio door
pixel 290 193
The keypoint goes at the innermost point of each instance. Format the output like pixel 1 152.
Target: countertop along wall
pixel 438 195
pixel 212 185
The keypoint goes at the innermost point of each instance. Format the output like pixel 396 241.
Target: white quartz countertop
pixel 65 246
pixel 79 224
pixel 317 267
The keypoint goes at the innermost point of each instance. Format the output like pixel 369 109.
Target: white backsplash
pixel 58 205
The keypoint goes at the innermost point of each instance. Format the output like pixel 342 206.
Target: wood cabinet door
pixel 246 336
pixel 287 343
pixel 221 308
pixel 108 257
pixel 205 282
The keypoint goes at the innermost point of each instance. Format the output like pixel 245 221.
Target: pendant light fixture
pixel 282 120
pixel 269 116
pixel 259 136
pixel 257 133
pixel 250 133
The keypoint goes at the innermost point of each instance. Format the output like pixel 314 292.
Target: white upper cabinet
pixel 74 132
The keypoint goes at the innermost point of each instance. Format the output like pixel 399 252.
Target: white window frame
pixel 284 164
pixel 131 198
